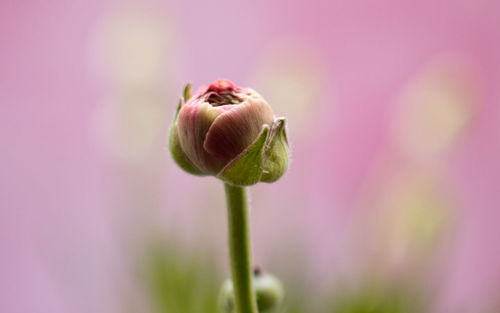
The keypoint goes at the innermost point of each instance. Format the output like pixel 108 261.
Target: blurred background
pixel 391 203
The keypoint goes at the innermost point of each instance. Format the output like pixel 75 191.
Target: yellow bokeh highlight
pixel 435 108
pixel 291 78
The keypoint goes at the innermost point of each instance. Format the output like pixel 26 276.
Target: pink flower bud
pixel 220 125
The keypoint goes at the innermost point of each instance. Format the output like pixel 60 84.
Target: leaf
pixel 187 92
pixel 246 168
pixel 276 153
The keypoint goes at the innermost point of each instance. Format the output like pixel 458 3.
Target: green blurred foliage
pixel 378 298
pixel 182 282
pixel 178 282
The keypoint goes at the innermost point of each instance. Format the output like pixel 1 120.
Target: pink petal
pixel 193 124
pixel 236 129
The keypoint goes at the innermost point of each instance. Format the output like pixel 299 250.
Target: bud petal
pixel 175 148
pixel 246 168
pixel 192 125
pixel 230 132
pixel 235 129
pixel 276 153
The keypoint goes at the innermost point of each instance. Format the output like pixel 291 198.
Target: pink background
pixel 88 89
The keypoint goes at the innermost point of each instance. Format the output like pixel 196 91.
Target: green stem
pixel 239 249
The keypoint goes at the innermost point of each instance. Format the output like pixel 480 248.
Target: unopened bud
pixel 269 293
pixel 229 132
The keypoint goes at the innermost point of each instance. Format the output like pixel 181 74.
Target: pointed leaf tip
pixel 187 92
pixel 280 127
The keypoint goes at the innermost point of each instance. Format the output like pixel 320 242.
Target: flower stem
pixel 239 249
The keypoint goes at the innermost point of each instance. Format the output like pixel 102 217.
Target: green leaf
pixel 246 168
pixel 178 281
pixel 276 153
pixel 187 92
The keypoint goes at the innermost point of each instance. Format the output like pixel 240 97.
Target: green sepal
pixel 246 168
pixel 276 154
pixel 187 92
pixel 175 146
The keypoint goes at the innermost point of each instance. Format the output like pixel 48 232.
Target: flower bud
pixel 268 291
pixel 229 132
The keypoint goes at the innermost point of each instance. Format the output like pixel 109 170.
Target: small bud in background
pixel 268 290
pixel 229 132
